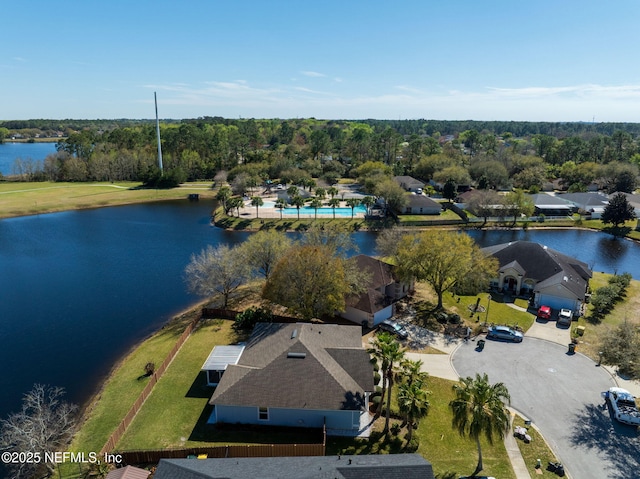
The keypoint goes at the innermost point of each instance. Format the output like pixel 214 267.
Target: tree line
pixel 485 154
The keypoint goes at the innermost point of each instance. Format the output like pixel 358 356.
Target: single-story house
pixel 366 466
pixel 298 375
pixel 587 203
pixel 409 183
pixel 550 205
pixel 421 205
pixel 542 274
pixel 383 290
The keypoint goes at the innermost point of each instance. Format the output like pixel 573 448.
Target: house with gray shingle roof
pixel 591 203
pixel 549 205
pixel 419 204
pixel 383 289
pixel 545 275
pixel 371 466
pixel 409 183
pixel 298 375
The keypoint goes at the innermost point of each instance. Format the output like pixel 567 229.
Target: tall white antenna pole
pixel 155 99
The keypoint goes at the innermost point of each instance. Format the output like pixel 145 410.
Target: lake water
pixel 9 152
pixel 78 289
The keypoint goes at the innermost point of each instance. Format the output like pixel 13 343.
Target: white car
pixel 565 316
pixel 623 405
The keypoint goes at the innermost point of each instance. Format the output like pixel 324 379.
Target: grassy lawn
pixel 624 310
pixel 438 442
pixel 499 312
pixel 536 449
pixel 20 199
pixel 124 386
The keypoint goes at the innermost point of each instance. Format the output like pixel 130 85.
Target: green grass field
pixel 21 199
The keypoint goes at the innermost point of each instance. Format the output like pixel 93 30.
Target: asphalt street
pixel 560 393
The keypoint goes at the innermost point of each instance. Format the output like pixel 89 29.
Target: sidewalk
pixel 439 365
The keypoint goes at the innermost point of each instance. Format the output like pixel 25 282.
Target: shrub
pixel 246 320
pixel 149 368
pixel 376 378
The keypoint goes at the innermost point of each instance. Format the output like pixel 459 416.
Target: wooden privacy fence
pixel 117 434
pixel 214 452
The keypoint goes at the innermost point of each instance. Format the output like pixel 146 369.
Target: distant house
pixel 542 274
pixel 365 466
pixel 383 290
pixel 409 183
pixel 298 375
pixel 587 203
pixel 421 205
pixel 549 205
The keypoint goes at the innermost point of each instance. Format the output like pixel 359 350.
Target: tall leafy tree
pixel 618 211
pixel 263 250
pixel 443 259
pixel 218 271
pixel 310 281
pixel 516 203
pixel 479 409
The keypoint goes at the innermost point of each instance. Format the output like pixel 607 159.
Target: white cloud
pixel 313 74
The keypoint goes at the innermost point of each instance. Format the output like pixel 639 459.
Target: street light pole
pixel 488 304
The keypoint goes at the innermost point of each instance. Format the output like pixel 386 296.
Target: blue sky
pixel 543 60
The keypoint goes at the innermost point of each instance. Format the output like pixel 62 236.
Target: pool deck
pixel 269 212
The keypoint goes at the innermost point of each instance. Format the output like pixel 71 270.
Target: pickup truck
pixel 624 406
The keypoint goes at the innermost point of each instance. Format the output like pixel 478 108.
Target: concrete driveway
pixel 560 393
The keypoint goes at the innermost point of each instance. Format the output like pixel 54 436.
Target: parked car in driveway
pixel 544 312
pixel 394 328
pixel 565 316
pixel 505 333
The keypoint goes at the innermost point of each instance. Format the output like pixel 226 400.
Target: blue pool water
pixel 341 211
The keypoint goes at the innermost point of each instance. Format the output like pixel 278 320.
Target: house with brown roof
pixel 298 375
pixel 548 277
pixel 383 289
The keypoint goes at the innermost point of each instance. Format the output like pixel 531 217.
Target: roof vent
pixel 294 334
pixel 296 355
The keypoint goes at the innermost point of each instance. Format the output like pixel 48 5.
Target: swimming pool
pixel 324 211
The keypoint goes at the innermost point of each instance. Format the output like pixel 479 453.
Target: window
pixel 263 413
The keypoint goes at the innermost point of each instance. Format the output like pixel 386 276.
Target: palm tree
pixel 389 352
pixel 281 204
pixel 321 193
pixel 315 204
pixel 223 195
pixel 352 202
pixel 257 202
pixel 333 191
pixel 237 203
pixel 413 405
pixel 334 202
pixel 412 372
pixel 298 202
pixel 293 191
pixel 368 202
pixel 479 409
